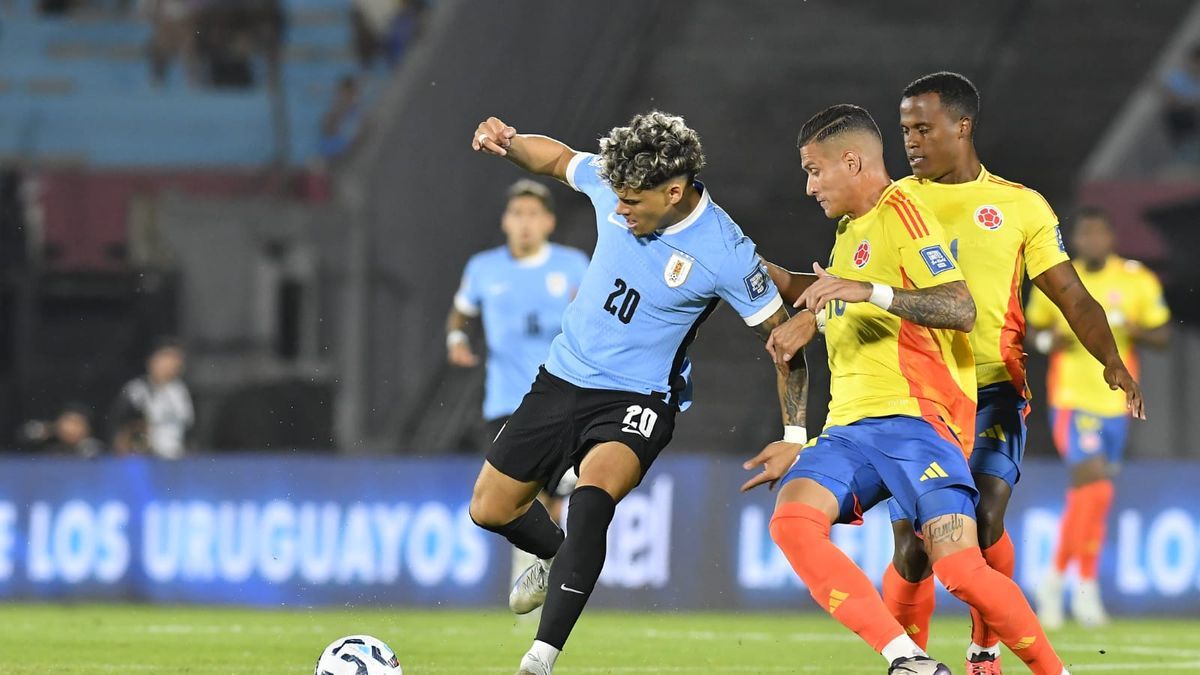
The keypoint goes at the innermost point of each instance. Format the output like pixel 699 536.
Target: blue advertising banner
pixel 271 531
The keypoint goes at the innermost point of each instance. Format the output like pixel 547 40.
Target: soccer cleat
pixel 983 664
pixel 529 591
pixel 917 665
pixel 1086 606
pixel 1049 596
pixel 533 665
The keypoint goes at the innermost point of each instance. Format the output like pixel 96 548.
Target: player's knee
pixel 909 556
pixel 490 512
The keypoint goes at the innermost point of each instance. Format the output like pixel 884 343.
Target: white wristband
pixel 795 434
pixel 881 296
pixel 456 337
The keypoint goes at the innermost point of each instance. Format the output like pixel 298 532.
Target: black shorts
pixel 490 429
pixel 557 424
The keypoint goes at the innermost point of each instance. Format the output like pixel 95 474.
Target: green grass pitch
pixel 134 640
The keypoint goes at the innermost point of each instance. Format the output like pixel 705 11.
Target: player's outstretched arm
pixel 1087 319
pixel 948 305
pixel 536 154
pixel 792 383
pixel 790 284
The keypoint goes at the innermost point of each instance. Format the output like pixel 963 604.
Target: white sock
pixel 975 650
pixel 900 648
pixel 545 652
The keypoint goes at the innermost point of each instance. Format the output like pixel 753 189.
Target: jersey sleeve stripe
pixel 465 306
pixel 764 313
pixel 571 168
pixel 919 222
pixel 903 217
pixel 1001 181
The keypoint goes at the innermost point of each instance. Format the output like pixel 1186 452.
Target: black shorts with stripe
pixel 558 422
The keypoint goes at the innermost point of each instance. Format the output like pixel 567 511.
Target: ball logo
pixel 863 255
pixel 989 217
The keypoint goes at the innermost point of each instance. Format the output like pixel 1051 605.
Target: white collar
pixel 691 217
pixel 536 260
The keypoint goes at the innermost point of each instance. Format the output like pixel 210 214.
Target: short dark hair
pixel 1092 211
pixel 955 91
pixel 835 121
pixel 654 148
pixel 165 342
pixel 531 188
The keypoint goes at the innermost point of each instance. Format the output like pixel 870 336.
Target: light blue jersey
pixel 522 303
pixel 643 298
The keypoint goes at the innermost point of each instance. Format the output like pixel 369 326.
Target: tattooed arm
pixel 791 376
pixel 945 306
pixel 792 383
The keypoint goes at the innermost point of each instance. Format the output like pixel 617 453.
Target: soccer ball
pixel 358 655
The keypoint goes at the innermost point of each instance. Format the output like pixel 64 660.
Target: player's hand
pixel 789 337
pixel 828 287
pixel 493 137
pixel 1118 377
pixel 775 460
pixel 461 355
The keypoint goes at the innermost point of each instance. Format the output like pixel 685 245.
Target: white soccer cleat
pixel 529 591
pixel 1049 597
pixel 531 664
pixel 1086 606
pixel 918 665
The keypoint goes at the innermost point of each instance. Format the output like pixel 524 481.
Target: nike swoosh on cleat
pixel 571 590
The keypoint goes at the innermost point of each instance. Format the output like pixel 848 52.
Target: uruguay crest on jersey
pixel 676 271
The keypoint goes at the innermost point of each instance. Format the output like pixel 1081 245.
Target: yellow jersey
pixel 1131 296
pixel 999 232
pixel 880 364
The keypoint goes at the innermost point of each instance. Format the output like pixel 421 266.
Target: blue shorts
pixel 910 458
pixel 1081 436
pixel 1000 432
pixel 1000 435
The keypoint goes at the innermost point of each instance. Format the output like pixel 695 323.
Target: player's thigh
pixel 908 554
pixel 923 467
pixel 834 476
pixel 994 495
pixel 1116 435
pixel 1000 434
pixel 611 466
pixel 948 534
pixel 612 425
pixel 532 447
pixel 499 499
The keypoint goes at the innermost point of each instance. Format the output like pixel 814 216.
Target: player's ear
pixel 853 162
pixel 966 127
pixel 674 192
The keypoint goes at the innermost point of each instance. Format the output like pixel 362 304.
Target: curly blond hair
pixel 654 147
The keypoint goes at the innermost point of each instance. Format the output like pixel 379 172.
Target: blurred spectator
pixel 1181 89
pixel 153 413
pixel 384 29
pixel 172 29
pixel 70 434
pixel 371 20
pixel 342 124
